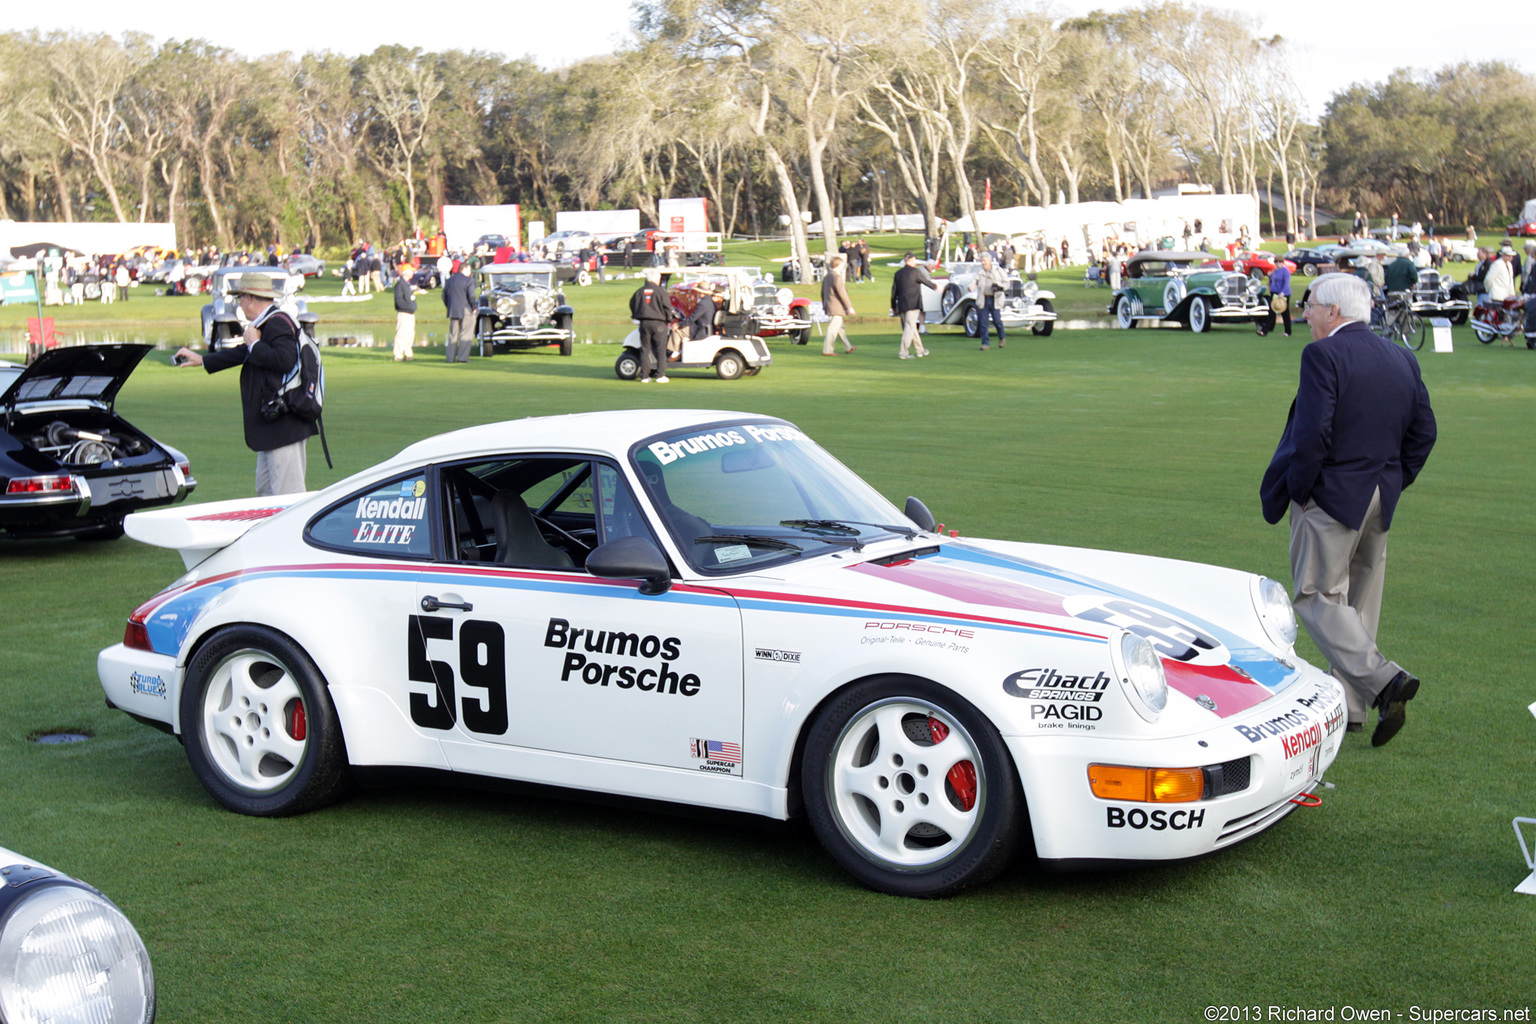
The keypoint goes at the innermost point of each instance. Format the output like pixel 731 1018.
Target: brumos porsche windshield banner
pixel 667 452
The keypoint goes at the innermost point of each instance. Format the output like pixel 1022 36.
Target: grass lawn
pixel 428 903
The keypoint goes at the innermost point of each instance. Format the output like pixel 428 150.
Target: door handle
pixel 432 604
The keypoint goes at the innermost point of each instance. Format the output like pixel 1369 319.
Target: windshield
pixel 517 280
pixel 739 496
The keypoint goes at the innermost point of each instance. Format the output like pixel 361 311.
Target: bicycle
pixel 1397 322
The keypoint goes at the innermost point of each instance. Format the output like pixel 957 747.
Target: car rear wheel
pixel 910 788
pixel 729 364
pixel 1309 269
pixel 258 725
pixel 627 366
pixel 1199 315
pixel 1043 328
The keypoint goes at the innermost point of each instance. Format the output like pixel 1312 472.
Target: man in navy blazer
pixel 1359 431
pixel 459 298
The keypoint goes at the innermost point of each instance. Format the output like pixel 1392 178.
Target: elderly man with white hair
pixel 1358 433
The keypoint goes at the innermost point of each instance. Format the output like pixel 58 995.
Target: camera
pixel 274 408
pixel 179 359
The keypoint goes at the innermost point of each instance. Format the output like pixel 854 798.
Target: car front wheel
pixel 1199 315
pixel 258 725
pixel 1124 314
pixel 627 366
pixel 911 789
pixel 1043 328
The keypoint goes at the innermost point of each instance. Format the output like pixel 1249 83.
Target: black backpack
pixel 303 389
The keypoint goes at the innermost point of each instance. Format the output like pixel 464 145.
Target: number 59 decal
pixel 482 666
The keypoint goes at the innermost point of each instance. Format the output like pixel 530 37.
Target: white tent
pixel 89 237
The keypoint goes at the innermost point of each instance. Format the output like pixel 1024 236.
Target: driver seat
pixel 518 540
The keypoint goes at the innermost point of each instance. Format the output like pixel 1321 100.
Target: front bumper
pixel 1288 744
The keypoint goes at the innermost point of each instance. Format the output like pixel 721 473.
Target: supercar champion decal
pixel 719 756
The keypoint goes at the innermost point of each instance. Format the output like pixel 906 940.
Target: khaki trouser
pixel 909 335
pixel 405 335
pixel 1339 575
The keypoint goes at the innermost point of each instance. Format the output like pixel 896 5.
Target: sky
pixel 1360 42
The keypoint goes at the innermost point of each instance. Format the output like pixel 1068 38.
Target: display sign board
pixel 462 225
pixel 687 218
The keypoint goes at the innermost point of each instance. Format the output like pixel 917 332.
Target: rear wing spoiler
pixel 197 531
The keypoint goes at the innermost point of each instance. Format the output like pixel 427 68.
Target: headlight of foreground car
pixel 504 306
pixel 1274 607
pixel 67 955
pixel 1141 674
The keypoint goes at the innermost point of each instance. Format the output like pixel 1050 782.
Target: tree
pixel 400 87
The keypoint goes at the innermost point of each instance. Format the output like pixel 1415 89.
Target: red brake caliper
pixel 962 777
pixel 297 725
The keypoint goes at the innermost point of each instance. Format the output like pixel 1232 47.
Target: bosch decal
pixel 1049 684
pixel 769 654
pixel 1157 821
pixel 561 634
pixel 151 686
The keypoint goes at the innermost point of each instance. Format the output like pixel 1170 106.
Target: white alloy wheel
pixel 893 786
pixel 254 724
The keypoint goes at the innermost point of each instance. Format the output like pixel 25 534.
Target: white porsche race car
pixel 707 608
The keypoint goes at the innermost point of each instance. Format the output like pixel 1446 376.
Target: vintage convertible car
pixel 69 465
pixel 520 308
pixel 1023 305
pixel 1437 294
pixel 1174 286
pixel 1257 264
pixel 222 319
pixel 706 608
pixel 67 953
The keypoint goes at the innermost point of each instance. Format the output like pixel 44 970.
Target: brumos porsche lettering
pixel 561 634
pixel 1049 684
pixel 1157 821
pixel 1277 726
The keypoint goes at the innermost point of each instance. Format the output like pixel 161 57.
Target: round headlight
pixel 1274 607
pixel 68 955
pixel 784 295
pixel 1142 676
pixel 504 306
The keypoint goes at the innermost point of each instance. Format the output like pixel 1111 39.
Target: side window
pixel 530 511
pixel 388 521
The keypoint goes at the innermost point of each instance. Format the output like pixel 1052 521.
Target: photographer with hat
pixel 268 353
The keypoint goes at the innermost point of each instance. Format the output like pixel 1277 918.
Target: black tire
pixel 729 364
pixel 627 366
pixel 1458 318
pixel 106 531
pixel 752 371
pixel 1045 327
pixel 972 322
pixel 1413 331
pixel 888 721
pixel 283 704
pixel 563 323
pixel 1199 315
pixel 482 335
pixel 1309 269
pixel 803 336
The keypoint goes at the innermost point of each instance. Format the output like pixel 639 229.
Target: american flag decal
pixel 716 750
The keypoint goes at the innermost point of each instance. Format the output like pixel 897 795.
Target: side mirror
pixel 916 511
pixel 629 558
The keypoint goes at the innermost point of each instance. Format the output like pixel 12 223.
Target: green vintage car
pixel 1175 286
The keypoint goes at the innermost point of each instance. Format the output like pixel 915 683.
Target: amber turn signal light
pixel 1146 785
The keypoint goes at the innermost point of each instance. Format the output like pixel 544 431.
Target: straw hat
pixel 259 285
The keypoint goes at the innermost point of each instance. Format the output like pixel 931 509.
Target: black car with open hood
pixel 69 464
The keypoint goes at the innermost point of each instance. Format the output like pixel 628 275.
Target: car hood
pixel 1199 617
pixel 80 372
